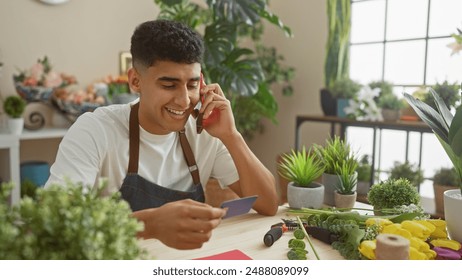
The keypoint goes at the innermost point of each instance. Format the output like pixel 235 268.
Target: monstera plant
pixel 244 73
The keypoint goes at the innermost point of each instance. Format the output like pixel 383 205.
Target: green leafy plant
pixel 345 88
pixel 412 172
pixel 385 87
pixel 14 106
pixel 300 167
pixel 336 64
pixel 446 127
pixel 448 92
pixel 67 222
pixel 446 177
pixel 337 155
pixel 364 169
pixel 235 56
pixel 393 193
pixel 390 101
pixel 347 182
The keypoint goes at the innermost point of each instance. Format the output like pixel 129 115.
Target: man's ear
pixel 134 80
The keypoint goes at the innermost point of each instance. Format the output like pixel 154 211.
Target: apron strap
pixel 189 156
pixel 134 139
pixel 134 147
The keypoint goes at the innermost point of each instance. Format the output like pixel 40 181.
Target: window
pixel 404 42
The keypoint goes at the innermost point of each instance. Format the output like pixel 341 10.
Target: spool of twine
pixel 391 247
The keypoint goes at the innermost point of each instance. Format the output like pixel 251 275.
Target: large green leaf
pixel 456 124
pixel 246 11
pixel 219 40
pixel 442 108
pixel 456 160
pixel 238 74
pixel 274 19
pixel 429 116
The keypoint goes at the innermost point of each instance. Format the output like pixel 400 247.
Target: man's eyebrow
pixel 172 79
pixel 168 79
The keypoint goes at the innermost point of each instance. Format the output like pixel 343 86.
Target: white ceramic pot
pixel 16 126
pixel 452 211
pixel 305 197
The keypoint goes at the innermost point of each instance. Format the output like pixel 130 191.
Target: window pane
pixel 367 21
pixel 366 62
pixel 441 64
pixel 393 148
pixel 404 62
pixel 445 17
pixel 406 19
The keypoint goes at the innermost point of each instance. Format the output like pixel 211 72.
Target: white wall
pixel 84 38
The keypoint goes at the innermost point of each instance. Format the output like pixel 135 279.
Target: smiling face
pixel 169 91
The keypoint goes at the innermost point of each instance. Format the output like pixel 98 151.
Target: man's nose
pixel 182 97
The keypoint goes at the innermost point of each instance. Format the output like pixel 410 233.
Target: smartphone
pixel 201 122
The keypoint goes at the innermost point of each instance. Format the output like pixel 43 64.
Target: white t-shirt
pixel 97 146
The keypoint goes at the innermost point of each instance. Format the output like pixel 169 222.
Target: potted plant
pixel 343 90
pixel 335 155
pixel 336 63
pixel 301 169
pixel 384 86
pixel 364 171
pixel 392 193
pixel 391 106
pixel 409 171
pixel 447 129
pixel 345 193
pixel 444 179
pixel 14 107
pixel 448 92
pixel 245 73
pixel 68 222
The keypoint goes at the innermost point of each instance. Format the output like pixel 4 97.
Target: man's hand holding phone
pixel 215 114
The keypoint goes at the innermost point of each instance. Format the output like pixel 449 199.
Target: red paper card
pixel 230 255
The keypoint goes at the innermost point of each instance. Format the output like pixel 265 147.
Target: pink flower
pixel 53 79
pixel 36 71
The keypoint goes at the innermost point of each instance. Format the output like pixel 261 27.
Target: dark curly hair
pixel 165 40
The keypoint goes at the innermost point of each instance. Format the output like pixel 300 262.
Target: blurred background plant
pixel 457 45
pixel 246 74
pixel 449 92
pixel 409 171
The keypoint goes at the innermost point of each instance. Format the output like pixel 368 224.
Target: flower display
pixel 363 107
pixel 42 74
pixel 457 45
pixel 39 81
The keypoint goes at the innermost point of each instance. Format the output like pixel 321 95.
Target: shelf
pixel 44 133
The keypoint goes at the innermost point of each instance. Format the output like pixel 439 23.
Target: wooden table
pixel 244 233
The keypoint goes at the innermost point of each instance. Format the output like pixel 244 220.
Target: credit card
pixel 238 206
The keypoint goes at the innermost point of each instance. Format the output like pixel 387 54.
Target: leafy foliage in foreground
pixel 67 222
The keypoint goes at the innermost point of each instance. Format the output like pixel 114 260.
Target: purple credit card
pixel 238 206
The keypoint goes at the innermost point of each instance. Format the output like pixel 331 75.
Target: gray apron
pixel 141 193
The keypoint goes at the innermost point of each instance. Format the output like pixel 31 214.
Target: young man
pixel 151 151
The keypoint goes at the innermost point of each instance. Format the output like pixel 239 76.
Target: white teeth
pixel 175 111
